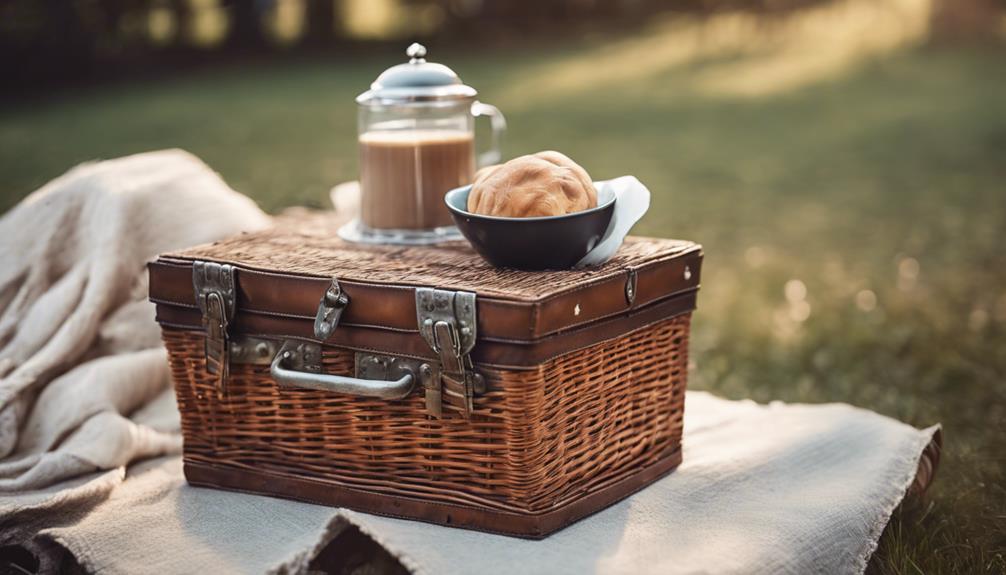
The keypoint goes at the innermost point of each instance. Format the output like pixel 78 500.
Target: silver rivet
pixel 576 310
pixel 688 273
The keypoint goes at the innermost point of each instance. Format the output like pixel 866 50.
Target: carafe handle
pixel 498 123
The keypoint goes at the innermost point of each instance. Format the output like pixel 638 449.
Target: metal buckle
pixel 215 293
pixel 447 322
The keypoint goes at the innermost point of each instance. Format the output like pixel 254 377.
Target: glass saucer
pixel 356 232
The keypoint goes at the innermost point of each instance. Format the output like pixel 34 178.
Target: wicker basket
pixel 562 422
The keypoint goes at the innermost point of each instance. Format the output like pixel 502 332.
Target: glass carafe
pixel 416 142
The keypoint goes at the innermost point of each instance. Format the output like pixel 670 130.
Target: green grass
pixel 888 177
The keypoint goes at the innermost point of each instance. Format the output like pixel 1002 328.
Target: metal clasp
pixel 447 322
pixel 630 287
pixel 216 297
pixel 330 310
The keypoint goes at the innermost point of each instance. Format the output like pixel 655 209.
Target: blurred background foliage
pixel 46 42
pixel 843 162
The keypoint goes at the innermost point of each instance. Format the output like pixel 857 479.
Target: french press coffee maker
pixel 416 134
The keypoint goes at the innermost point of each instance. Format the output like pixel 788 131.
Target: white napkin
pixel 632 199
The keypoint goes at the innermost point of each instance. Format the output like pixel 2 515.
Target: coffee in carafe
pixel 406 174
pixel 416 142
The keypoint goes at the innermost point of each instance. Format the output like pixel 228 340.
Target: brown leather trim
pixel 388 306
pixel 655 281
pixel 488 351
pixel 530 526
pixel 392 307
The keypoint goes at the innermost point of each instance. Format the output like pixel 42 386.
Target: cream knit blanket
pixel 80 354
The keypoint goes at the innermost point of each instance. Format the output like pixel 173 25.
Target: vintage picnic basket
pixel 421 382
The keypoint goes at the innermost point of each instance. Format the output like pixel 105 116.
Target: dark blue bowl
pixel 544 243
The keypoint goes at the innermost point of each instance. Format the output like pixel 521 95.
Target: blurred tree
pixel 320 22
pixel 40 40
pixel 183 13
pixel 47 42
pixel 246 31
pixel 966 21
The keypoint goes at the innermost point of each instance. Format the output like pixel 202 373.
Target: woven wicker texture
pixel 308 245
pixel 538 438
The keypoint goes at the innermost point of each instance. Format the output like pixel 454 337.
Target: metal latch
pixel 447 322
pixel 215 293
pixel 330 310
pixel 630 287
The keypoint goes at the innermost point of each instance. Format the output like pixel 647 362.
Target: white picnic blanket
pixel 84 398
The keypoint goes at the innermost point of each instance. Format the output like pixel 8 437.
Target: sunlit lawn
pixel 853 214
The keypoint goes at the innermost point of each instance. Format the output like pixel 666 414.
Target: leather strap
pixel 489 351
pixel 530 526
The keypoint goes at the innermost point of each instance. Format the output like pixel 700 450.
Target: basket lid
pixel 283 272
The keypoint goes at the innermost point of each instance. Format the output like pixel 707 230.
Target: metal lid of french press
pixel 416 81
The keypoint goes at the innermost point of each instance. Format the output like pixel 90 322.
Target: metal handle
pixel 498 123
pixel 284 371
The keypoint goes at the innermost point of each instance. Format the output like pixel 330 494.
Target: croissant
pixel 543 184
